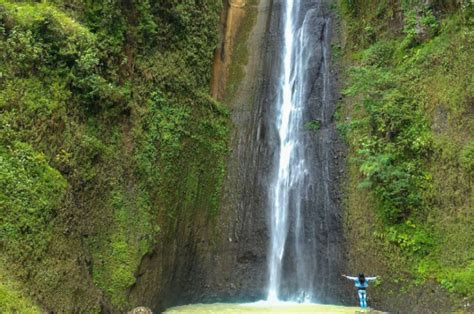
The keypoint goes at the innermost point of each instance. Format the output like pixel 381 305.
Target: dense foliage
pixel 408 120
pixel 106 132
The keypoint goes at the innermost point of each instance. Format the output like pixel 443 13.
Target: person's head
pixel 362 277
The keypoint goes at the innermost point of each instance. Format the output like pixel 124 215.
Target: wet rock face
pixel 216 259
pixel 240 269
pixel 200 258
pixel 319 196
pixel 239 258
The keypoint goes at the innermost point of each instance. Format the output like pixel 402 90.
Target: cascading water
pixel 288 119
pixel 279 211
pixel 288 195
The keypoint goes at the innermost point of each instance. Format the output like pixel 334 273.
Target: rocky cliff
pixel 225 259
pixel 110 146
pixel 407 117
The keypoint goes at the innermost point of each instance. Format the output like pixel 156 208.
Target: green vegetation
pixel 312 125
pixel 11 301
pixel 107 132
pixel 408 121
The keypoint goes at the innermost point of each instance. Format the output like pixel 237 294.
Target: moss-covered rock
pixel 409 129
pixel 107 132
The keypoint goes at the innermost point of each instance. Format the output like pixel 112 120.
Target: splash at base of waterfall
pixel 263 307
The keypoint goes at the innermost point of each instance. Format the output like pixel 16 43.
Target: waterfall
pixel 288 195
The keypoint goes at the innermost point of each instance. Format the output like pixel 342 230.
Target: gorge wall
pixel 407 117
pixel 110 146
pixel 229 252
pixel 124 183
pixel 228 261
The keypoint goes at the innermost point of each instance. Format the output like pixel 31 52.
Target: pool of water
pixel 261 307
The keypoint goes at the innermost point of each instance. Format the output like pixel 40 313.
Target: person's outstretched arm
pixel 349 277
pixel 371 278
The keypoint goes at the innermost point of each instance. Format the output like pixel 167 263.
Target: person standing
pixel 361 283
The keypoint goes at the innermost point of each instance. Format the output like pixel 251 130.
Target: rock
pixel 237 3
pixel 183 270
pixel 140 310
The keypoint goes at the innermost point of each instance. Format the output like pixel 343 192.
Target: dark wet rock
pixel 224 258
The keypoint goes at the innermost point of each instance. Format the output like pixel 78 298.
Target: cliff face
pixel 224 259
pixel 118 188
pixel 407 117
pixel 406 188
pixel 117 151
pixel 110 144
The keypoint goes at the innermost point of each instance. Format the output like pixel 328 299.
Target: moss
pixel 29 15
pixel 11 299
pixel 118 252
pixel 409 128
pixel 312 125
pixel 31 191
pixel 107 135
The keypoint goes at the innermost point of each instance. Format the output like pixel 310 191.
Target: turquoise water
pixel 261 307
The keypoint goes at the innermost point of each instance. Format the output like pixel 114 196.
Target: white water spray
pixel 291 168
pixel 304 55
